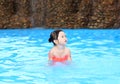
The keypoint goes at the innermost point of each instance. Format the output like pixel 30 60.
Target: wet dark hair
pixel 54 36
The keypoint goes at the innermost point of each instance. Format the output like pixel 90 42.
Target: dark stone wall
pixel 60 13
pixel 15 13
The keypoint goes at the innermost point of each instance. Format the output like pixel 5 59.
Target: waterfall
pixel 33 7
pixel 38 8
pixel 43 13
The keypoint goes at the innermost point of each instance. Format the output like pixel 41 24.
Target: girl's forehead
pixel 61 33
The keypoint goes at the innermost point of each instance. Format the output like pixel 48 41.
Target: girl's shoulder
pixel 67 49
pixel 52 50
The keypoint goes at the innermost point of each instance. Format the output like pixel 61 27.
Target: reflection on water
pixel 95 55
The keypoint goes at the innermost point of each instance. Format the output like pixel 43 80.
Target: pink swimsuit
pixel 60 59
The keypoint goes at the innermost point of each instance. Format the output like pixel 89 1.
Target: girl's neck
pixel 60 47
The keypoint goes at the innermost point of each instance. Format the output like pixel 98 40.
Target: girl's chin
pixel 63 44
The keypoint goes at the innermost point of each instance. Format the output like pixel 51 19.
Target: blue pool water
pixel 24 57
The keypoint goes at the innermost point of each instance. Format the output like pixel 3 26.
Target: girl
pixel 59 52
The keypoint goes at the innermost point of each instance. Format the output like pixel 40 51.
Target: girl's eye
pixel 62 36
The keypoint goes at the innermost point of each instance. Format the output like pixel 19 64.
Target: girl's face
pixel 62 38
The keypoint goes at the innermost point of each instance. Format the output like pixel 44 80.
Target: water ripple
pixel 24 57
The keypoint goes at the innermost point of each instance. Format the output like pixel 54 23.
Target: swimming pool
pixel 24 57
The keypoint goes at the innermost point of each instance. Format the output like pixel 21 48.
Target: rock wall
pixel 15 13
pixel 60 13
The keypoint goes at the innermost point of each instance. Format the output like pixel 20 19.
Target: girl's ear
pixel 56 41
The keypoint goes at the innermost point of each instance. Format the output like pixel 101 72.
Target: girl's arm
pixel 50 62
pixel 69 56
pixel 49 56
